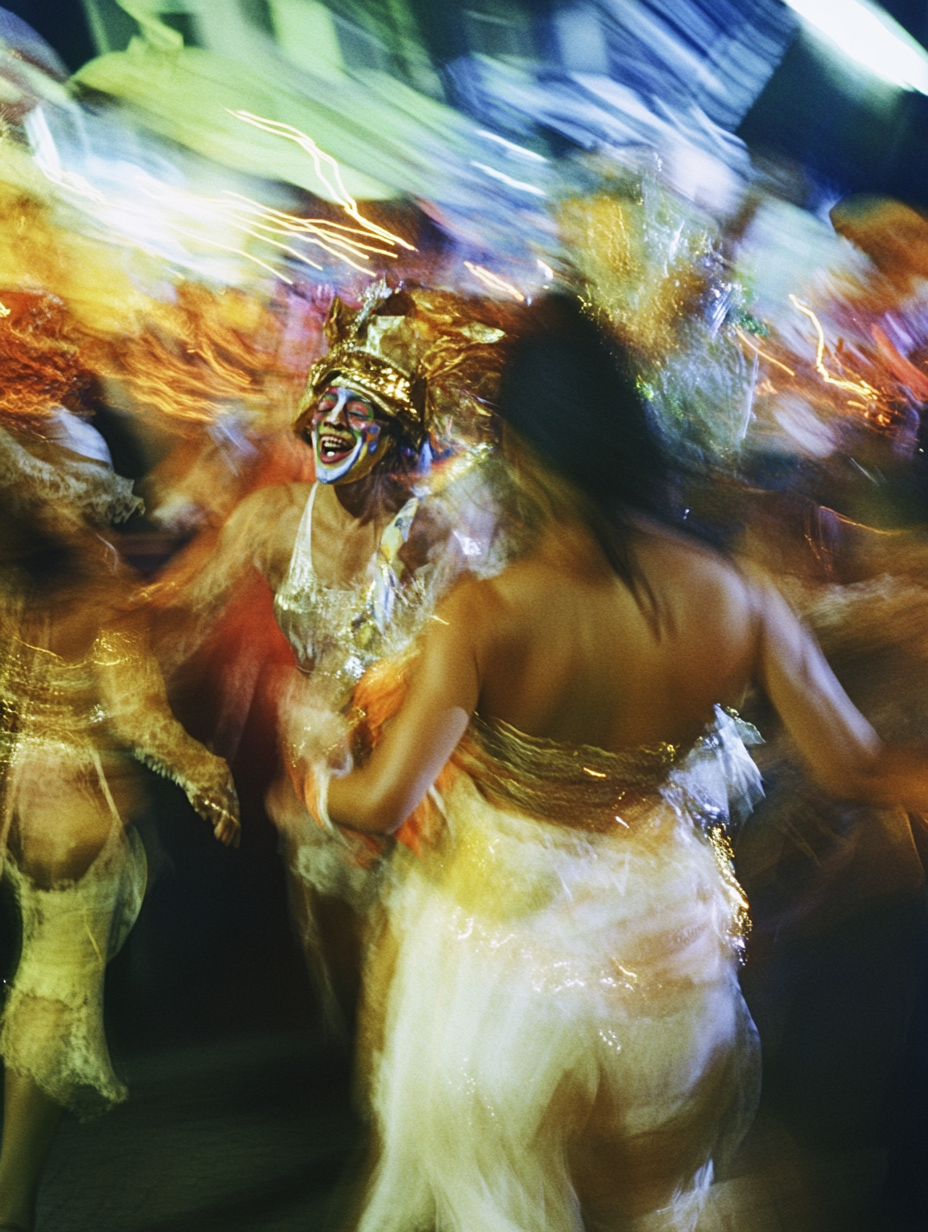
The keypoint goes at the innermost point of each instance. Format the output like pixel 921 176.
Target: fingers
pixel 227 829
pixel 221 811
pixel 224 818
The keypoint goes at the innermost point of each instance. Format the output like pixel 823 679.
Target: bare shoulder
pixel 473 603
pixel 473 599
pixel 692 563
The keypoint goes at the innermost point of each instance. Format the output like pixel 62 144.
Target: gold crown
pixel 428 359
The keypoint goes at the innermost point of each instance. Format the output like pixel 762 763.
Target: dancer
pixel 80 697
pixel 557 1036
pixel 355 562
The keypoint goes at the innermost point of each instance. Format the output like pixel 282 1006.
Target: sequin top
pixel 340 631
pixel 45 698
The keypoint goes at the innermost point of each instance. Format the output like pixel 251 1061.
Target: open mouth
pixel 334 446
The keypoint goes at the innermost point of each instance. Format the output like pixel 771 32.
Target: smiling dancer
pixel 355 562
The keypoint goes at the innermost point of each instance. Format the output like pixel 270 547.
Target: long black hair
pixel 571 395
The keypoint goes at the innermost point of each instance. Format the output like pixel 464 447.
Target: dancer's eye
pixel 360 413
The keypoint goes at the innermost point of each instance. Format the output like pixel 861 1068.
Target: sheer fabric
pixel 555 1034
pixel 66 727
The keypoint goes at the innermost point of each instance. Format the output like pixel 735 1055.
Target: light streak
pixel 4 311
pixel 494 282
pixel 870 36
pixel 73 181
pixel 262 223
pixel 206 352
pixel 853 387
pixel 511 145
pixel 546 270
pixel 757 350
pixel 190 359
pixel 507 179
pixel 335 186
pixel 196 217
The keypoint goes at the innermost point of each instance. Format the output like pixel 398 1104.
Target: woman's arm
pixel 843 751
pixel 378 797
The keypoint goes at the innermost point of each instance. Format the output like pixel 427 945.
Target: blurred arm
pixel 193 594
pixel 843 751
pixel 378 797
pixel 137 705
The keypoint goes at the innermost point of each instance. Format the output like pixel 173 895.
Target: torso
pixel 340 602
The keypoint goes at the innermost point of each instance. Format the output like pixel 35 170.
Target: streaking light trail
pixel 200 218
pixel 861 388
pixel 327 170
pixel 493 281
pixel 520 150
pixel 757 351
pixel 262 223
pixel 507 179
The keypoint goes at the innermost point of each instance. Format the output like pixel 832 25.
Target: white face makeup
pixel 347 439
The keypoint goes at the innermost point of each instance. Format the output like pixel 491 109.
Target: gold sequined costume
pixel 555 1029
pixel 68 732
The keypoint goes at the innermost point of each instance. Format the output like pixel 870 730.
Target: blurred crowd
pixel 193 222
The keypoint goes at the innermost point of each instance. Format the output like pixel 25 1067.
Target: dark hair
pixel 570 393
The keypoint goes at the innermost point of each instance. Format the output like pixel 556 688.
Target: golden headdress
pixel 430 360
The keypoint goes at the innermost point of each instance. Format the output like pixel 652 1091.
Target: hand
pixel 217 803
pixel 226 826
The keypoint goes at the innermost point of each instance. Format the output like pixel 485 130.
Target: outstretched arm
pixel 135 698
pixel 193 593
pixel 843 751
pixel 378 797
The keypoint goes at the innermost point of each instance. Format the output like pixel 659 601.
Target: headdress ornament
pixel 430 360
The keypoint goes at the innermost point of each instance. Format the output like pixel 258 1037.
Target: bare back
pixel 570 653
pixel 560 648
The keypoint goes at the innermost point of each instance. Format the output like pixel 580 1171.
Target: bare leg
pixel 641 1182
pixel 30 1119
pixel 49 852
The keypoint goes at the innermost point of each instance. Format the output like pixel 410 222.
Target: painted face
pixel 347 439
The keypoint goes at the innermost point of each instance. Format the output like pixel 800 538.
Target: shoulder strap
pixel 300 570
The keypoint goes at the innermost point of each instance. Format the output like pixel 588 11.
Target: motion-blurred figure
pixel 81 699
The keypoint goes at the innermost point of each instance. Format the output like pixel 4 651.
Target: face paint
pixel 347 439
